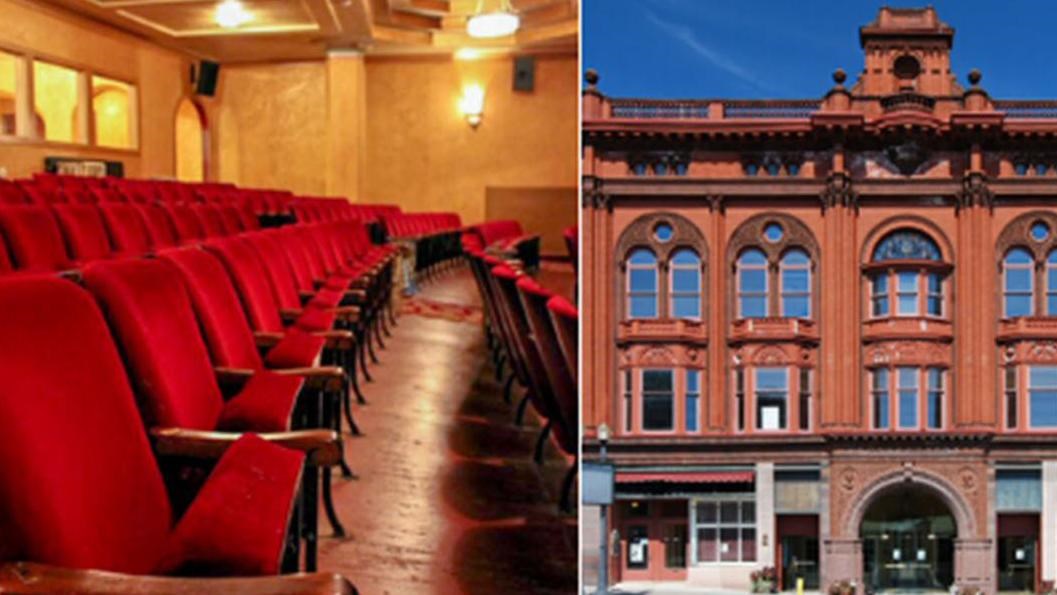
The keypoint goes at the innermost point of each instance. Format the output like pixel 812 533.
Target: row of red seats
pixel 189 323
pixel 49 189
pixel 60 236
pixel 537 332
pixel 413 225
pixel 315 209
pixel 504 233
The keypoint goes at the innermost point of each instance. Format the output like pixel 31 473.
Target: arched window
pixel 685 287
pixel 642 284
pixel 752 284
pixel 1051 284
pixel 796 284
pixel 907 272
pixel 1018 269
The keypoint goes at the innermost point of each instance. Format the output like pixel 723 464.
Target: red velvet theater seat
pixel 566 326
pixel 84 230
pixel 153 321
pixel 79 483
pixel 159 225
pixel 34 238
pixel 124 224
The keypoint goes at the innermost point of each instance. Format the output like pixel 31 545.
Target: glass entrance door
pixel 908 542
pixel 799 560
pixel 1016 563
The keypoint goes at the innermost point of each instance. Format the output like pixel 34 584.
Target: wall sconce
pixel 472 104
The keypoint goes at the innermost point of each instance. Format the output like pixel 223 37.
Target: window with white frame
pixel 772 397
pixel 685 274
pixel 907 277
pixel 914 397
pixel 752 284
pixel 642 284
pixel 724 529
pixel 1042 396
pixel 1018 272
pixel 796 284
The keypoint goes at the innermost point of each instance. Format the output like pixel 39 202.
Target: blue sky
pixel 789 48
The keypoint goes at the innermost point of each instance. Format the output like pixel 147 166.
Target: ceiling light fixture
pixel 498 23
pixel 231 14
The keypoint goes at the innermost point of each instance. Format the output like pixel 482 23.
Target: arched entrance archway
pixel 908 534
pixel 191 142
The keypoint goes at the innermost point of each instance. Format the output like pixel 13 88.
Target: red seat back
pixel 217 305
pixel 128 232
pixel 80 484
pixel 151 315
pixel 85 232
pixel 34 238
pixel 159 225
pixel 251 281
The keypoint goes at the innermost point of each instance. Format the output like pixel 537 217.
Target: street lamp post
pixel 603 560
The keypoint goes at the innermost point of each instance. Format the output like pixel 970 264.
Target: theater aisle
pixel 448 499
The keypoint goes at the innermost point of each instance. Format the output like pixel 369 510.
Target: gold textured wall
pixel 272 126
pixel 423 155
pixel 49 32
pixel 297 126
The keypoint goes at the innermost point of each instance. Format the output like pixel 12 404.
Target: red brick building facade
pixel 823 332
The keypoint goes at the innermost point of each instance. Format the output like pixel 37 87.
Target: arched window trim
pixel 750 234
pixel 640 234
pixel 916 286
pixel 1017 234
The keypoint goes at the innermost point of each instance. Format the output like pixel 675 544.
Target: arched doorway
pixel 908 534
pixel 191 142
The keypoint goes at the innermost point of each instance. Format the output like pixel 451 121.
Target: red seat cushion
pixel 237 523
pixel 296 349
pixel 316 319
pixel 265 404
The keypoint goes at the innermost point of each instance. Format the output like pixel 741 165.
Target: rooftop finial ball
pixel 975 76
pixel 839 76
pixel 591 76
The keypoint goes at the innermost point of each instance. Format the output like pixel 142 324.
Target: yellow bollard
pixel 800 586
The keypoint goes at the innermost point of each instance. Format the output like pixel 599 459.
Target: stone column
pixel 1049 520
pixel 765 514
pixel 843 562
pixel 974 563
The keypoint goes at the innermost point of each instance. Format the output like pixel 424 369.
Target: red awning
pixel 697 477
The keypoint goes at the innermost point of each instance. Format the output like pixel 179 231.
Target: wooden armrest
pixel 329 378
pixel 349 313
pixel 322 447
pixel 289 315
pixel 232 378
pixel 266 339
pixel 337 339
pixel 31 577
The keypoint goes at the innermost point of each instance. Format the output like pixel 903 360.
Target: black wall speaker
pixel 206 78
pixel 524 73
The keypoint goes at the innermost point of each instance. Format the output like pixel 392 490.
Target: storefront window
pixel 725 529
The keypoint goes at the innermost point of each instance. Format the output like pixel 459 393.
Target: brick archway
pixel 973 550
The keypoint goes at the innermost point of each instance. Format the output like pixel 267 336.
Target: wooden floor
pixel 448 499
